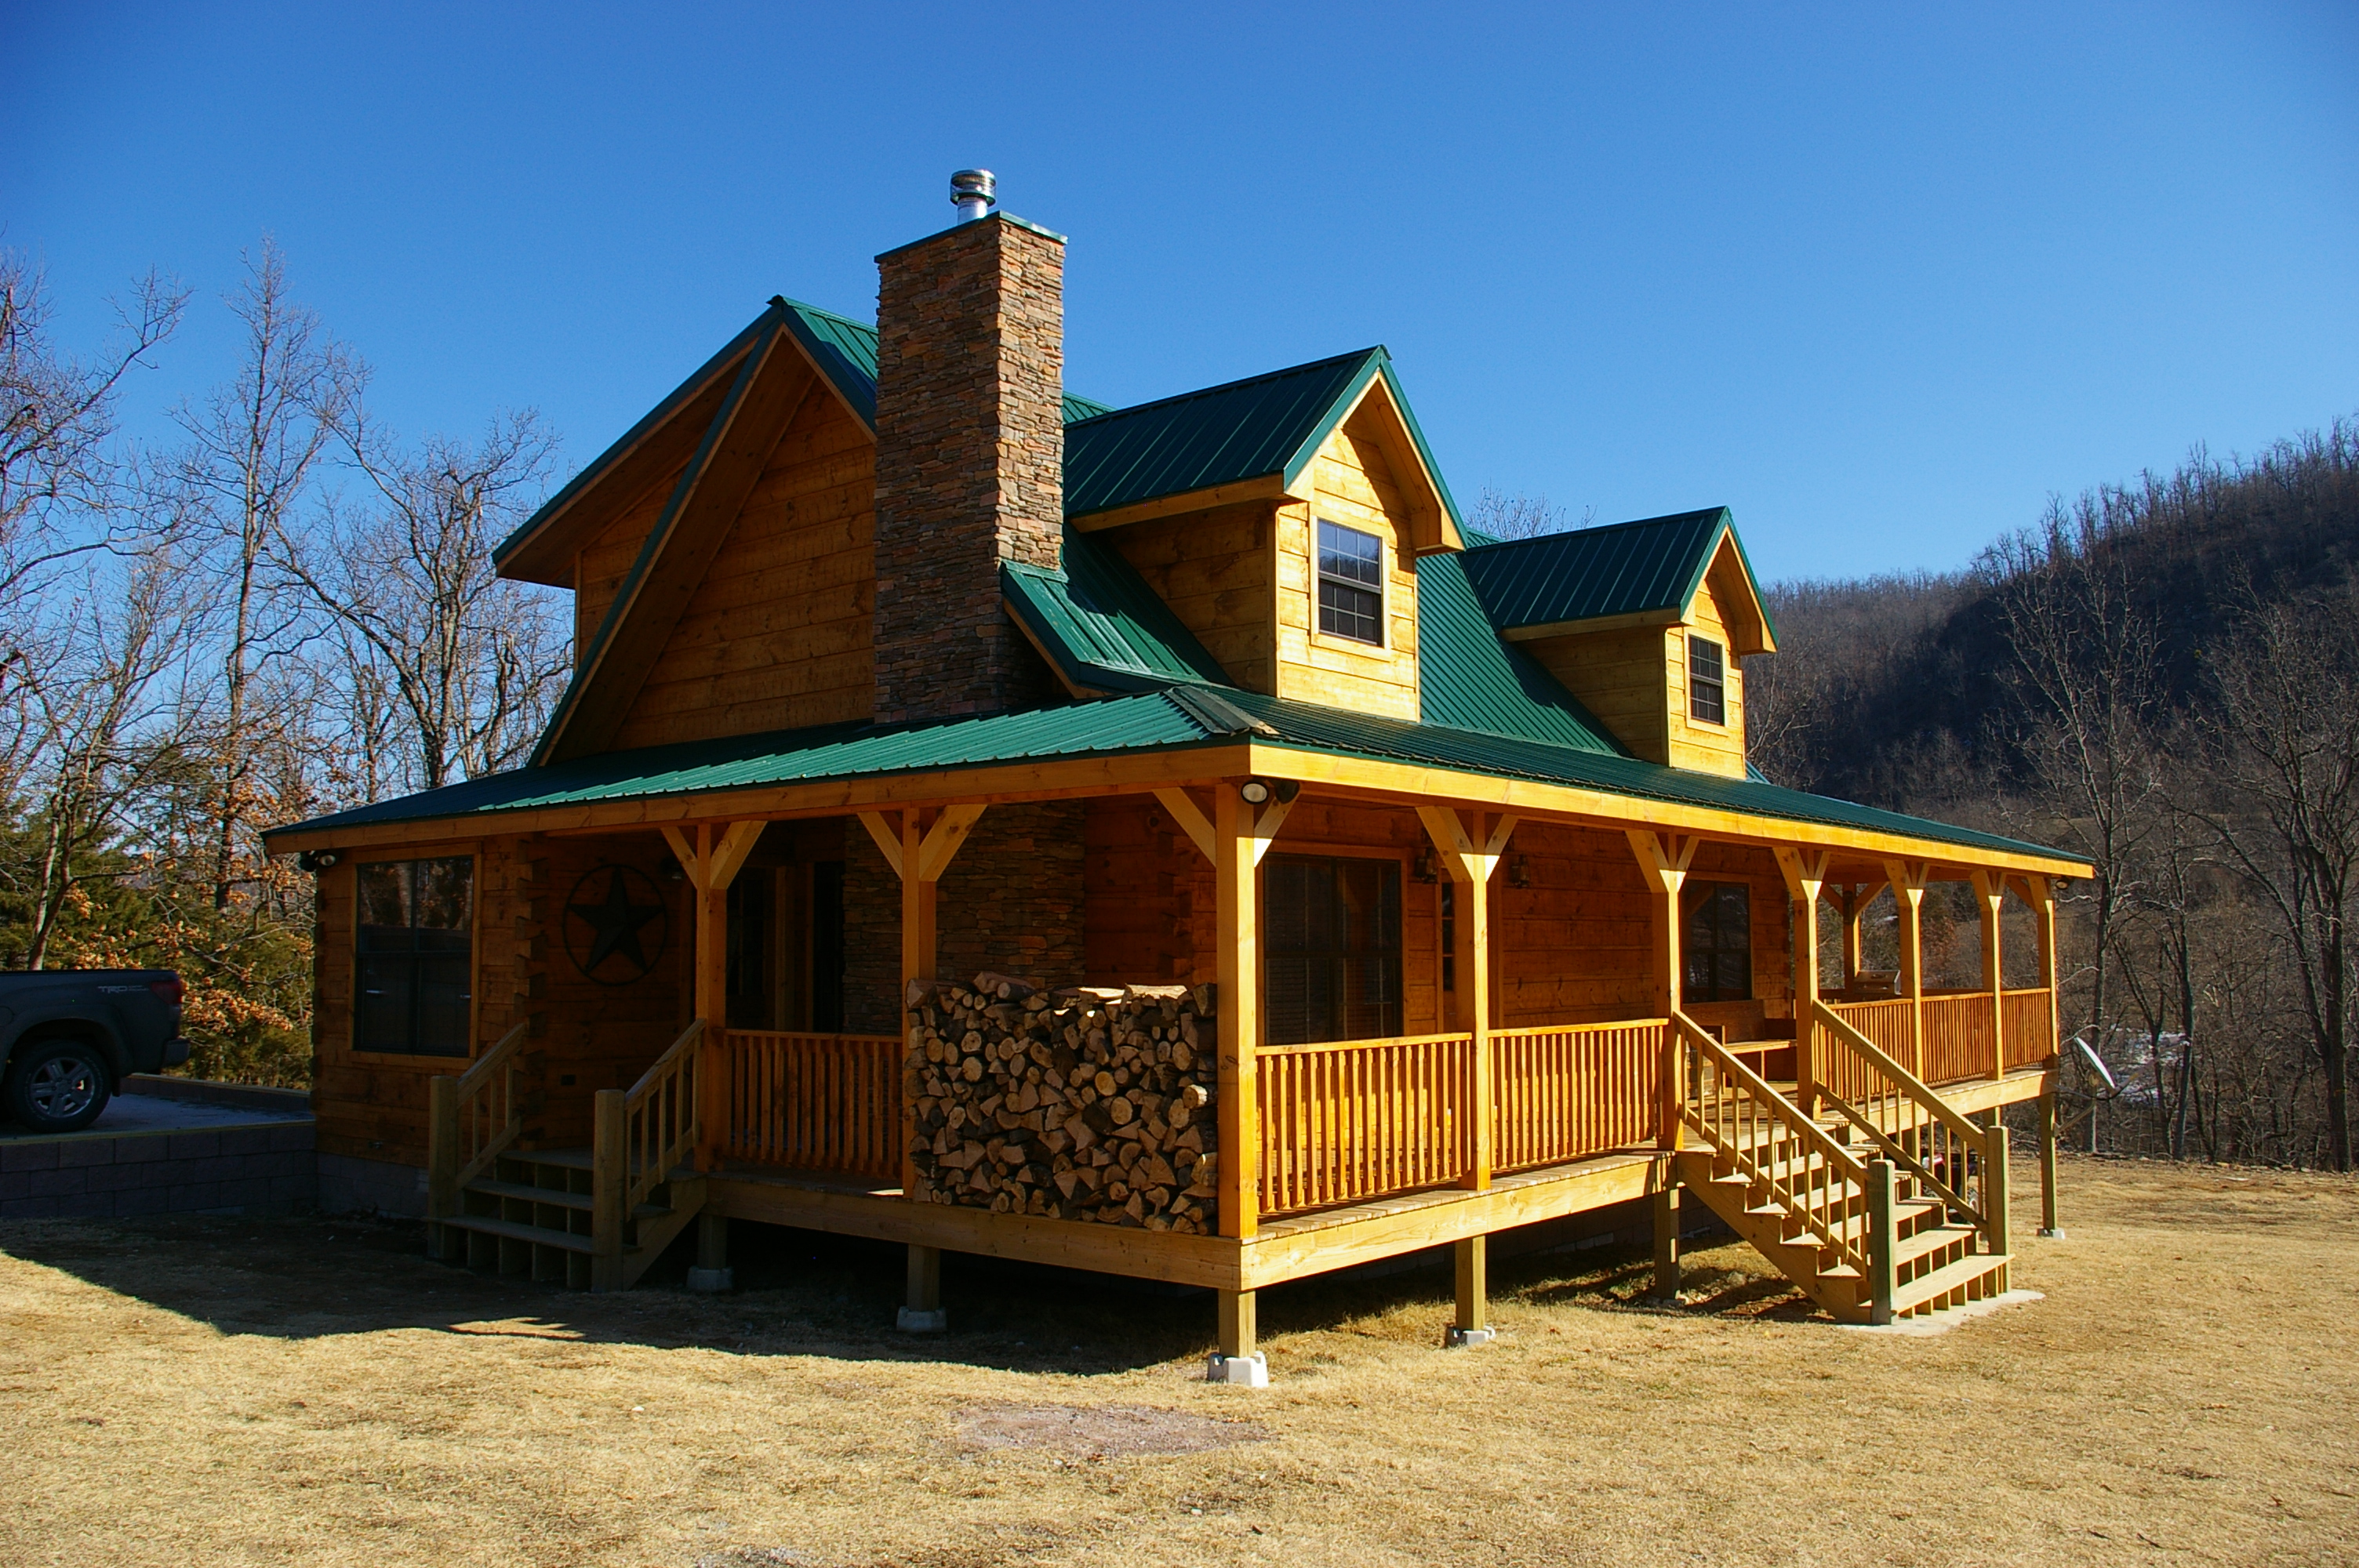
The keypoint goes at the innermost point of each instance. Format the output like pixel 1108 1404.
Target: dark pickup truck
pixel 67 1036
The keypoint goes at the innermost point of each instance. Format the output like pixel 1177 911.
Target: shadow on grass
pixel 798 1293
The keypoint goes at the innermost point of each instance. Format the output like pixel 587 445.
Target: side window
pixel 415 965
pixel 1707 682
pixel 1719 944
pixel 1351 583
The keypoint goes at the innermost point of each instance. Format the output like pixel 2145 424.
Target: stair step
pixel 552 1196
pixel 539 1235
pixel 1932 1238
pixel 1942 1281
pixel 567 1159
pixel 556 1199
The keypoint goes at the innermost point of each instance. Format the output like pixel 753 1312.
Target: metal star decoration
pixel 616 921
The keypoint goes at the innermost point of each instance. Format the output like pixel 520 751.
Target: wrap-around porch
pixel 1331 1152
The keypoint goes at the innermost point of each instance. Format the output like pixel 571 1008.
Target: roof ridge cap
pixel 1596 528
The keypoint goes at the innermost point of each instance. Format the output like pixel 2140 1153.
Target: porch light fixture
pixel 1520 872
pixel 1427 867
pixel 1253 792
pixel 316 859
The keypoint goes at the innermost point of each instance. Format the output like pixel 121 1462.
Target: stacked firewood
pixel 1088 1104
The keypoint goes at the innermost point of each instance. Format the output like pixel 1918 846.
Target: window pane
pixel 1332 965
pixel 1351 555
pixel 1348 611
pixel 1707 688
pixel 381 1009
pixel 385 893
pixel 445 894
pixel 443 1016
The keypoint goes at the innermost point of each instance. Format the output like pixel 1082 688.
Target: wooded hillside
pixel 2160 677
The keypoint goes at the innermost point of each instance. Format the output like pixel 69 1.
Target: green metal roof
pixel 1468 678
pixel 1626 568
pixel 1244 429
pixel 1178 718
pixel 1100 625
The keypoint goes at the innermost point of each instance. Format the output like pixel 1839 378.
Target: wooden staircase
pixel 591 1218
pixel 1885 1205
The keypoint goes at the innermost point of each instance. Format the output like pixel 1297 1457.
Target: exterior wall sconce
pixel 1254 791
pixel 1427 867
pixel 1520 872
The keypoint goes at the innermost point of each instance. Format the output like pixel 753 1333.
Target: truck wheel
pixel 57 1085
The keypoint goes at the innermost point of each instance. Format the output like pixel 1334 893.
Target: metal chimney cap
pixel 973 192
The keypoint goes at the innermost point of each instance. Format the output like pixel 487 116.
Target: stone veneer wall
pixel 1012 902
pixel 970 463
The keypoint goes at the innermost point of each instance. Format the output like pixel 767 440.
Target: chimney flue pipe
pixel 974 193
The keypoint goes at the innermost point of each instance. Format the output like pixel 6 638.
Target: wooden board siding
pixel 1620 676
pixel 373 1105
pixel 778 634
pixel 1214 568
pixel 607 559
pixel 1352 484
pixel 1708 748
pixel 1574 947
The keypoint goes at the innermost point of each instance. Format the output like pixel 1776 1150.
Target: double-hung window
pixel 416 958
pixel 1707 681
pixel 1351 583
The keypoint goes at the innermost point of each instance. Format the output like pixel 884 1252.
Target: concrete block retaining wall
pixel 258 1168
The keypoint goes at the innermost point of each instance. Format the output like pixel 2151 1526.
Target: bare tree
pixel 1504 517
pixel 2287 744
pixel 56 417
pixel 115 722
pixel 464 664
pixel 254 445
pixel 2087 672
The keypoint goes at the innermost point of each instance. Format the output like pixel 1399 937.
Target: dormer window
pixel 1351 583
pixel 1707 682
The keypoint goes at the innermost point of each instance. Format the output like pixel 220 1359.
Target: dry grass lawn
pixel 199 1392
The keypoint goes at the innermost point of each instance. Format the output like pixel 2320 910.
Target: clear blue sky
pixel 1882 279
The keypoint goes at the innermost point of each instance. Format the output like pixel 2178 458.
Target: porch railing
pixel 1359 1118
pixel 1957 1037
pixel 814 1102
pixel 1566 1093
pixel 1891 1024
pixel 470 1121
pixel 2030 1033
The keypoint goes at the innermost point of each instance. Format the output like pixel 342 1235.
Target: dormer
pixel 1279 520
pixel 1647 624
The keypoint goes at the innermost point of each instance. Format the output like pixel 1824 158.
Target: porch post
pixel 919 855
pixel 1663 860
pixel 1471 857
pixel 1805 871
pixel 1990 904
pixel 1852 902
pixel 1237 900
pixel 712 861
pixel 1909 879
pixel 2048 1224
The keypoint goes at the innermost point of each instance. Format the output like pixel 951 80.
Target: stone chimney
pixel 970 459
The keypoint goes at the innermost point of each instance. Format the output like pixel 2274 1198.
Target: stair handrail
pixel 661 1115
pixel 470 1120
pixel 1915 1090
pixel 1814 1217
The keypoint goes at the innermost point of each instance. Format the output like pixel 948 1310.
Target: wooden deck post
pixel 1239 1328
pixel 712 861
pixel 925 1279
pixel 1909 879
pixel 1666 1238
pixel 1852 902
pixel 441 1165
pixel 1237 897
pixel 1471 1257
pixel 1805 871
pixel 1990 905
pixel 1883 1242
pixel 1996 1177
pixel 610 1181
pixel 2049 1225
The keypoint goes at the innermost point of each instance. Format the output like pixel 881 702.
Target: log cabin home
pixel 1164 840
